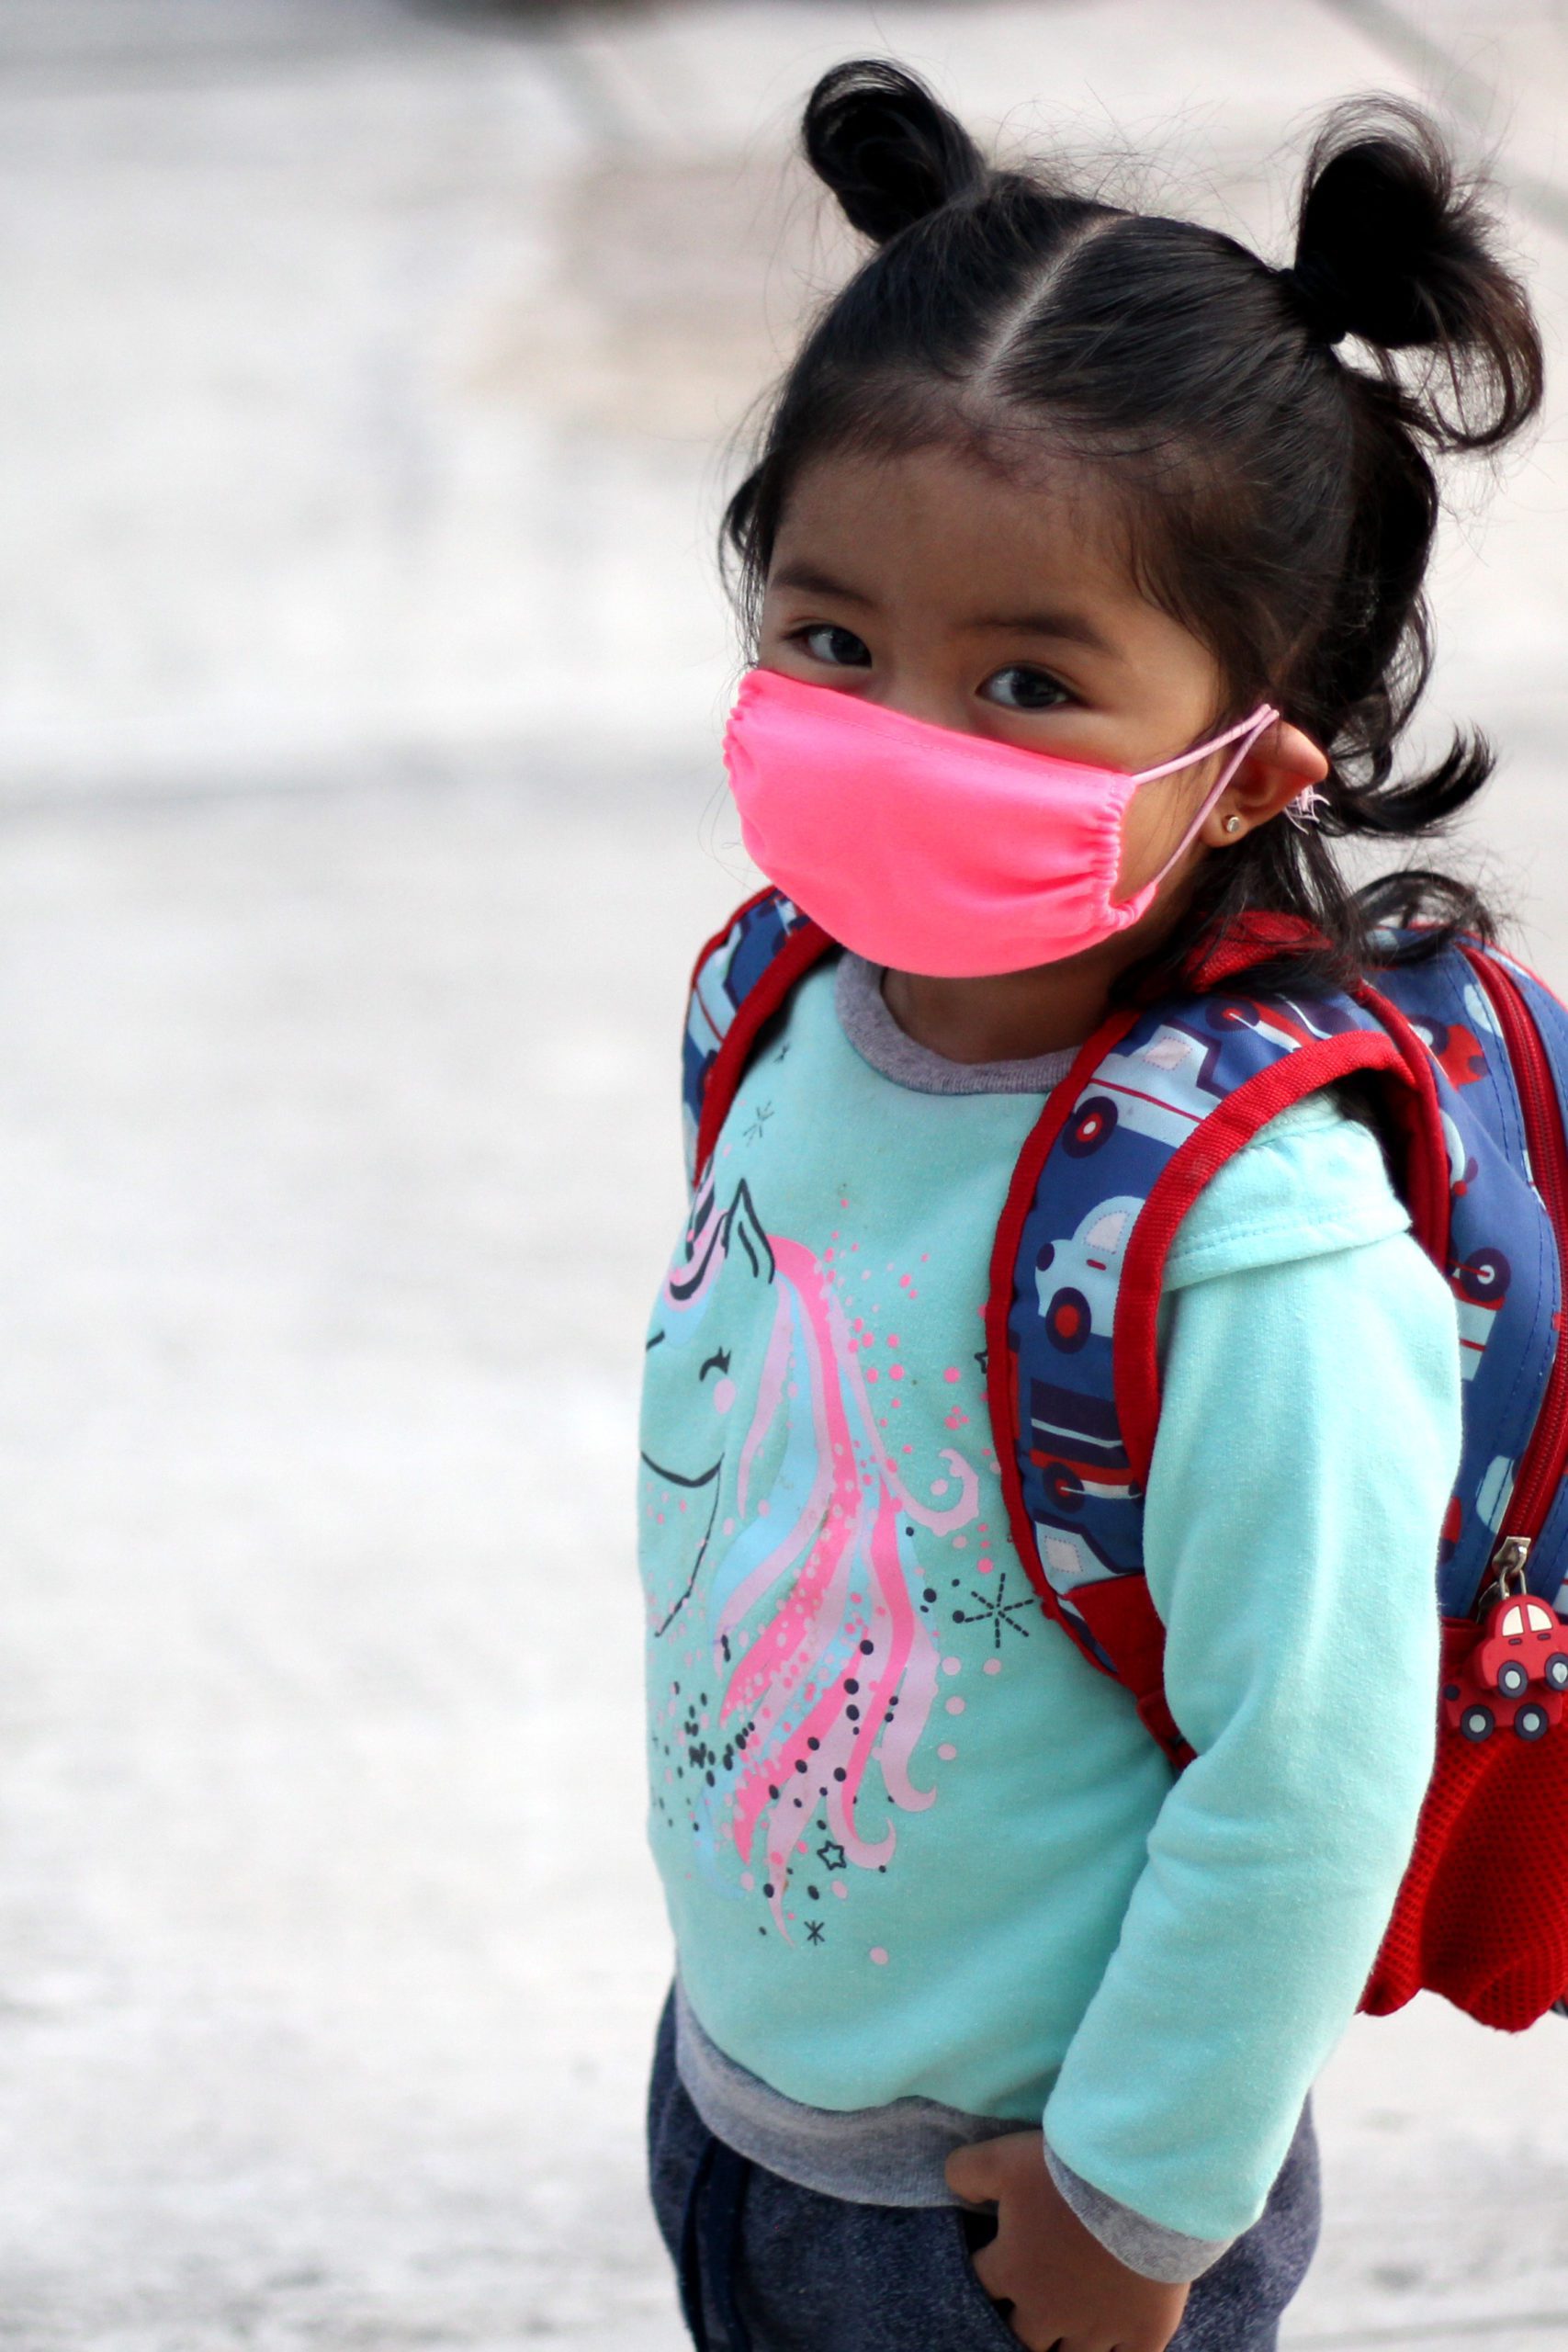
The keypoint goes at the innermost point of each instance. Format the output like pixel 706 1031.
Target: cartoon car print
pixel 1480 1285
pixel 1162 1088
pixel 1530 1644
pixel 1075 1438
pixel 1076 1281
pixel 1518 1672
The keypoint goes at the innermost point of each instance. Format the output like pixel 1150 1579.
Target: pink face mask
pixel 933 851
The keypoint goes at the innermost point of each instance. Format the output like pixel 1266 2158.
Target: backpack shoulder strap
pixel 1154 1105
pixel 741 977
pixel 1497 1040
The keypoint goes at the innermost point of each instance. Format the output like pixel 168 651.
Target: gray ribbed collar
pixel 878 1038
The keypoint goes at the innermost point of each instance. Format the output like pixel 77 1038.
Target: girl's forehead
pixel 968 539
pixel 959 525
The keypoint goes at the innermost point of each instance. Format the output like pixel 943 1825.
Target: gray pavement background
pixel 363 410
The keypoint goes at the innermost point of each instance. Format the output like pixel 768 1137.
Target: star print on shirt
pixel 813 1931
pixel 833 1855
pixel 996 1611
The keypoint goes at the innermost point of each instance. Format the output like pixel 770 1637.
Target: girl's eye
pixel 717 1362
pixel 1021 687
pixel 840 647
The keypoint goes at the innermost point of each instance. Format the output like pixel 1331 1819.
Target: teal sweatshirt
pixel 1000 1900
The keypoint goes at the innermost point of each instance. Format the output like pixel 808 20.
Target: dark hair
pixel 1282 501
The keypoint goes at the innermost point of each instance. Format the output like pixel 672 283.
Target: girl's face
pixel 933 585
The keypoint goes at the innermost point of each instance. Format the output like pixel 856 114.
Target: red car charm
pixel 1517 1674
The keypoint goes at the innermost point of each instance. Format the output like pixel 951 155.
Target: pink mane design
pixel 835 1681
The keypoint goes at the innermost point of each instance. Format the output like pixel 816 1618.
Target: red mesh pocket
pixel 1482 1912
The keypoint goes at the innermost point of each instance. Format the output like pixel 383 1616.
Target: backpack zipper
pixel 1540 1470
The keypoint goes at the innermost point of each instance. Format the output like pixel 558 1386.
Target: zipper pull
pixel 1509 1562
pixel 1512 1555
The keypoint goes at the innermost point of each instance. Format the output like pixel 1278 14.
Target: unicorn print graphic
pixel 778 1540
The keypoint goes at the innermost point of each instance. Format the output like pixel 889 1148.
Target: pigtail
pixel 891 154
pixel 1394 248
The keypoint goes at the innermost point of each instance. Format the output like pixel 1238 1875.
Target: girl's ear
pixel 1272 774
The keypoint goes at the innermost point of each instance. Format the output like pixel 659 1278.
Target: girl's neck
pixel 1012 1017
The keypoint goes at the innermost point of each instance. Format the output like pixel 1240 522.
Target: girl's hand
pixel 1066 2289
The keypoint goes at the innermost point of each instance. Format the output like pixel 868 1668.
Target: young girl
pixel 1083 564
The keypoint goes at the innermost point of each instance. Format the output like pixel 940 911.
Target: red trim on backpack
pixel 1121 1615
pixel 1251 939
pixel 722 933
pixel 1232 1124
pixel 800 951
pixel 1119 1611
pixel 1248 939
pixel 1474 945
pixel 1002 1382
pixel 1416 1108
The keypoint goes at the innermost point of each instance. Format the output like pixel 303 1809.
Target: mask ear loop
pixel 1248 731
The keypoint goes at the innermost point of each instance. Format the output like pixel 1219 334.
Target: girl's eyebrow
pixel 812 582
pixel 1070 627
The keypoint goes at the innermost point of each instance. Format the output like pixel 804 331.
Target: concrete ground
pixel 363 416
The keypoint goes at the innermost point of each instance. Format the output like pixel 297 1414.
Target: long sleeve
pixel 1308 1440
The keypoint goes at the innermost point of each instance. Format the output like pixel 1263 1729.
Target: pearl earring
pixel 1232 821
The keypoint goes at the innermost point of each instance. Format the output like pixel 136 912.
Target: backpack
pixel 1465 1055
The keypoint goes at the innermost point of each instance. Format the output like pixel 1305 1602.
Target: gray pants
pixel 765 2265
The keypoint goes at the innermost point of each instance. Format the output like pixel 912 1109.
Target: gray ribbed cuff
pixel 1170 2256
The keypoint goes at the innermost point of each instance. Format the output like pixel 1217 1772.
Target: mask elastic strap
pixel 1247 731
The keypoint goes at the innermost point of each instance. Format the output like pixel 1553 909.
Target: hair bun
pixel 1394 246
pixel 1389 246
pixel 875 135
